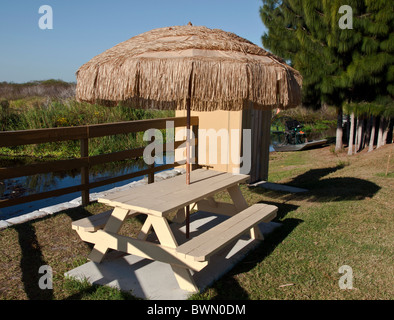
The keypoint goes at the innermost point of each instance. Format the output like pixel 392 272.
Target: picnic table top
pixel 161 198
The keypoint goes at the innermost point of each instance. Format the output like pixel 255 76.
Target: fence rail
pixel 84 162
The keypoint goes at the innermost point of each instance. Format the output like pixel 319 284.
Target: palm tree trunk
pixel 339 133
pixel 372 135
pixel 359 135
pixel 364 129
pixel 351 134
pixel 386 131
pixel 380 133
pixel 368 130
pixel 348 129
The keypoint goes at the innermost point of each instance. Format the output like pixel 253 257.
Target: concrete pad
pixel 277 187
pixel 155 280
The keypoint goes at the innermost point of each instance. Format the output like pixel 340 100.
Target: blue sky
pixel 85 28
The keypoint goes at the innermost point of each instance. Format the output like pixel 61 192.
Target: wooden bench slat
pixel 225 234
pixel 95 222
pixel 203 252
pixel 216 232
pixel 206 244
pixel 92 223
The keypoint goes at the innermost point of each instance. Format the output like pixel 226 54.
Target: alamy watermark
pixel 46 20
pixel 346 21
pixel 346 281
pixel 45 281
pixel 224 147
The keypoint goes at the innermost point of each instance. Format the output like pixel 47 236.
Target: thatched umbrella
pixel 192 68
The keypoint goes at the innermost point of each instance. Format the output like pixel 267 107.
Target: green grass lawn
pixel 345 218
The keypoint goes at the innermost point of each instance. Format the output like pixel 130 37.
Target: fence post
pixel 83 134
pixel 85 172
pixel 151 175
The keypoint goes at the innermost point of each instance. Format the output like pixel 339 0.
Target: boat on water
pixel 295 139
pixel 298 147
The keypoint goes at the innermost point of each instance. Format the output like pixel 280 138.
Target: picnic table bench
pixel 160 199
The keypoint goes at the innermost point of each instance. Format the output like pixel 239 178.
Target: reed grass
pixel 38 113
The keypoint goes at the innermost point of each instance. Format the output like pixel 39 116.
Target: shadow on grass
pixel 32 258
pixel 322 189
pixel 31 261
pixel 341 189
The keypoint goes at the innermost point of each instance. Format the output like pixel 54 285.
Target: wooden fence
pixel 84 162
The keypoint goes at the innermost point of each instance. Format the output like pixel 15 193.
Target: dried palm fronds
pixel 159 69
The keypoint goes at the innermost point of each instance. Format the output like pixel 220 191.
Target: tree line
pixel 349 68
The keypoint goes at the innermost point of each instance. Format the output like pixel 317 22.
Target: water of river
pixel 24 186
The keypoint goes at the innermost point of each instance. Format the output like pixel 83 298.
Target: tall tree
pixel 339 65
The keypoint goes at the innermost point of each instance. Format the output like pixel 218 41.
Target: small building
pixel 258 121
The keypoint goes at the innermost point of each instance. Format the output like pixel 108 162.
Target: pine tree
pixel 338 65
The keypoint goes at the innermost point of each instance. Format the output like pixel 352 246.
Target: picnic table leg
pixel 255 233
pixel 147 226
pixel 113 225
pixel 241 204
pixel 185 279
pixel 164 234
pixel 180 216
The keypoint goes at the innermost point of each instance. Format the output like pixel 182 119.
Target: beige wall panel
pixel 258 121
pixel 217 154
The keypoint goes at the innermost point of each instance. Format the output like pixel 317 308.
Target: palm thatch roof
pixel 161 68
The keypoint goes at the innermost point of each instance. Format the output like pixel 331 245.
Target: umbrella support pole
pixel 187 222
pixel 188 167
pixel 188 108
pixel 188 144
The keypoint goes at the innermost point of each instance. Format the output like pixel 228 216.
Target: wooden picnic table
pixel 162 198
